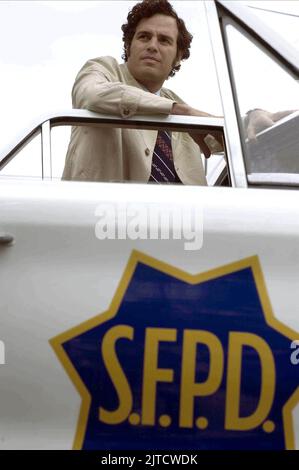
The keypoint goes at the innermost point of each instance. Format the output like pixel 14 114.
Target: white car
pixel 154 317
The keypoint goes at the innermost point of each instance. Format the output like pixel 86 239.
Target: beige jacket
pixel 106 154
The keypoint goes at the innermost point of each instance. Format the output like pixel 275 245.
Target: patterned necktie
pixel 163 170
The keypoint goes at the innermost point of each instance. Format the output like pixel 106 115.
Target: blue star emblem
pixel 184 361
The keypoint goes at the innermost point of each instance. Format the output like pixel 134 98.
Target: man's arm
pixel 257 120
pixel 201 139
pixel 98 87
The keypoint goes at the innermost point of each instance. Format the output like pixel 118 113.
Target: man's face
pixel 153 51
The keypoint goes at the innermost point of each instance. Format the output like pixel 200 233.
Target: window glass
pixel 27 162
pixel 268 93
pixel 115 154
pixel 60 137
pixel 50 42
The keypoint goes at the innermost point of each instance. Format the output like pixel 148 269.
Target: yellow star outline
pixel 136 257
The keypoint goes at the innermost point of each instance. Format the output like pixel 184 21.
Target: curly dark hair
pixel 146 9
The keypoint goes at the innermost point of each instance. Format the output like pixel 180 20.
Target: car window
pixel 65 166
pixel 74 32
pixel 27 162
pixel 117 154
pixel 60 138
pixel 262 83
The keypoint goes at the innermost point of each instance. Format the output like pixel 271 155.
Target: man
pixel 155 42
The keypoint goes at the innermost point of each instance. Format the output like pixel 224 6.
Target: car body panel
pixel 150 316
pixel 58 274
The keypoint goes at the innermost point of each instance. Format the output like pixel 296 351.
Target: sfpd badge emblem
pixel 184 361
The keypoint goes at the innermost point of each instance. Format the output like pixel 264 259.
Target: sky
pixel 43 44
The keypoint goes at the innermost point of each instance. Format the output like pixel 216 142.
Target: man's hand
pixel 257 120
pixel 185 110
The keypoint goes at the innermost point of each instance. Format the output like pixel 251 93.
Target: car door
pixel 137 316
